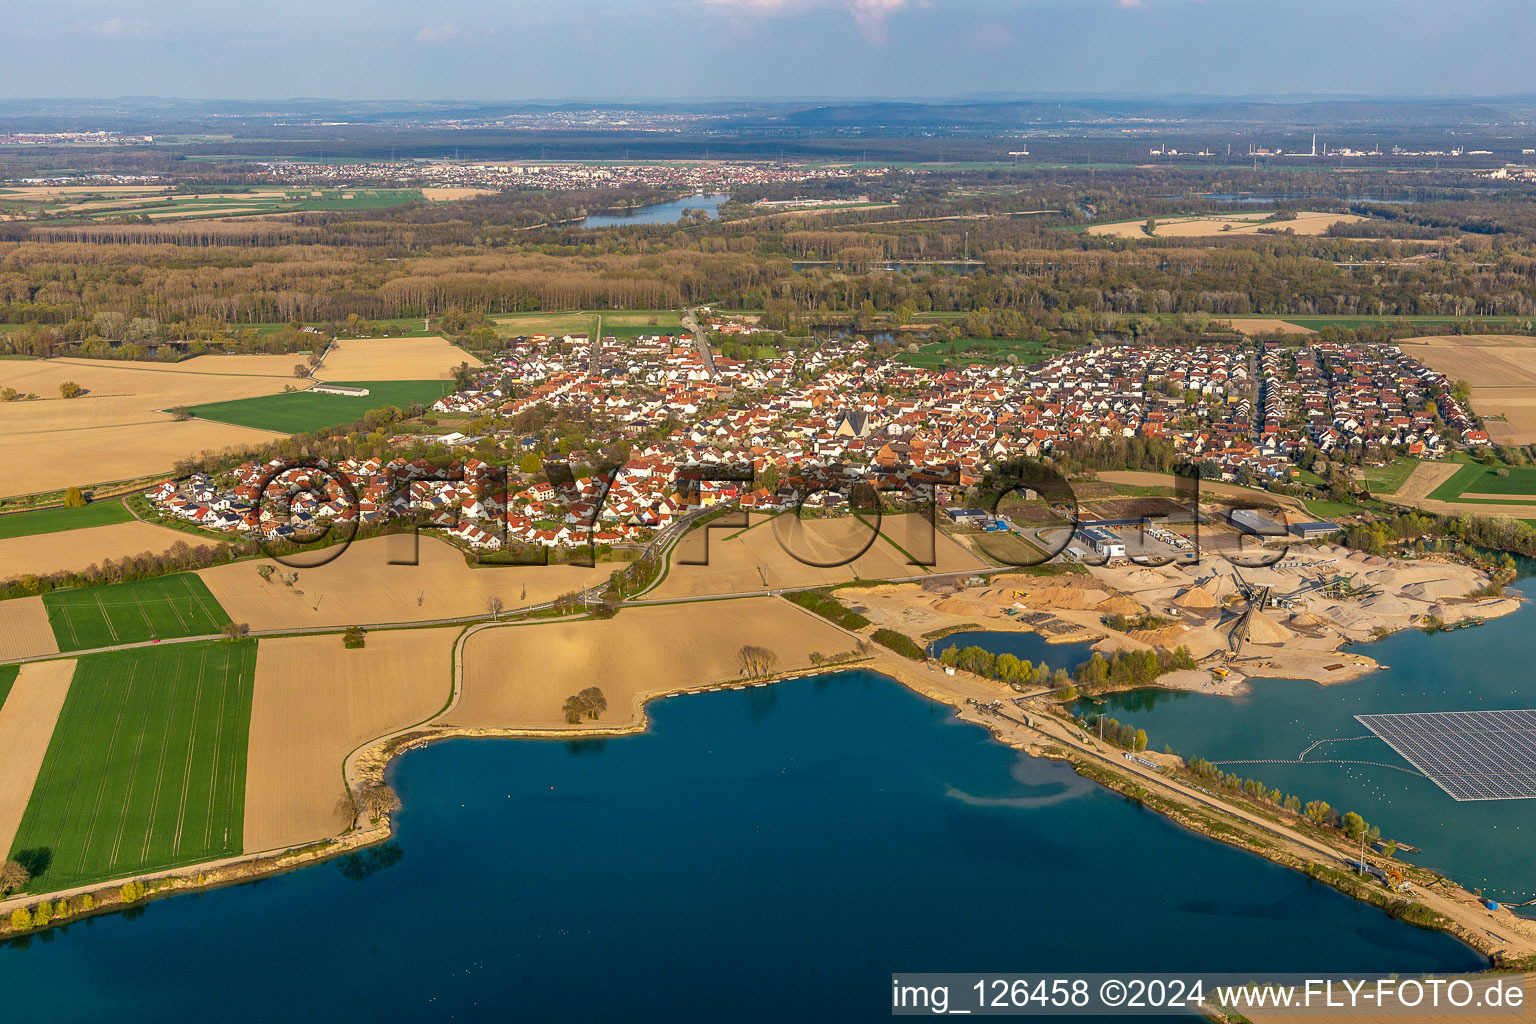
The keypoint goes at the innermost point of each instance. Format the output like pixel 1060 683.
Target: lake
pixel 762 855
pixel 1479 844
pixel 659 213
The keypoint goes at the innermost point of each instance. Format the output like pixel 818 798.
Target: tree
pixel 300 370
pixel 354 638
pixel 1317 811
pixel 1353 825
pixel 70 389
pixel 494 606
pixel 13 877
pixel 755 660
pixel 265 572
pixel 235 630
pixel 347 810
pixel 377 800
pixel 573 709
pixel 594 701
pixel 180 413
pixel 42 914
pixel 21 919
pixel 1150 227
pixel 74 498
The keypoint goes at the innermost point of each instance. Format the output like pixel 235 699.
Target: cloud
pixel 119 28
pixel 432 34
pixel 868 15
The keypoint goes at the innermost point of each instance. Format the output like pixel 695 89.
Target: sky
pixel 658 49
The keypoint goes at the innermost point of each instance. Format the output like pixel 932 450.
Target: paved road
pixel 690 322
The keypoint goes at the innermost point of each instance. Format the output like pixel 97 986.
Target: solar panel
pixel 1472 755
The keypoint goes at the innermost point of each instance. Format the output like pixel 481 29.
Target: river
pixel 761 855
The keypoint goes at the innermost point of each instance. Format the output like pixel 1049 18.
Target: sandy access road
pixel 314 703
pixel 74 550
pixel 27 719
pixel 517 677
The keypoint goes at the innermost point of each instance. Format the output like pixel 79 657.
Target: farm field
pixel 57 520
pixel 54 460
pixel 1246 223
pixel 753 560
pixel 118 429
pixel 119 393
pixel 1475 481
pixel 625 324
pixel 1501 369
pixel 123 613
pixel 78 549
pixel 379 359
pixel 303 412
pixel 1266 325
pixel 517 677
pixel 24 629
pixel 1390 478
pixel 360 587
pixel 161 203
pixel 146 767
pixel 27 717
pixel 316 702
pixel 977 351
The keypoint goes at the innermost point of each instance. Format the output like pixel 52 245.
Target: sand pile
pixel 1197 598
pixel 1433 590
pixel 1263 629
pixel 1119 605
pixel 1168 637
pixel 1304 620
pixel 1063 597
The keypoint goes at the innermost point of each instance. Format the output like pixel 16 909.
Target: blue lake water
pixel 659 213
pixel 1483 844
pixel 762 855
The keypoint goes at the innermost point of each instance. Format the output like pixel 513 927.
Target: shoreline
pixel 1039 734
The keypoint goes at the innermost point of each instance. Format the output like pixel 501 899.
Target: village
pixel 801 428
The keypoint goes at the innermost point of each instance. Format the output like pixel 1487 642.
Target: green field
pixel 301 412
pixel 57 520
pixel 146 767
pixel 1475 478
pixel 124 613
pixel 8 675
pixel 1387 479
pixel 172 208
pixel 986 352
pixel 1329 510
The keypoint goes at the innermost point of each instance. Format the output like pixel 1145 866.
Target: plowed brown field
pixel 26 726
pixel 315 702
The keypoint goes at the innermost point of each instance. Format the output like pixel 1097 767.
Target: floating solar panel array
pixel 1472 755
